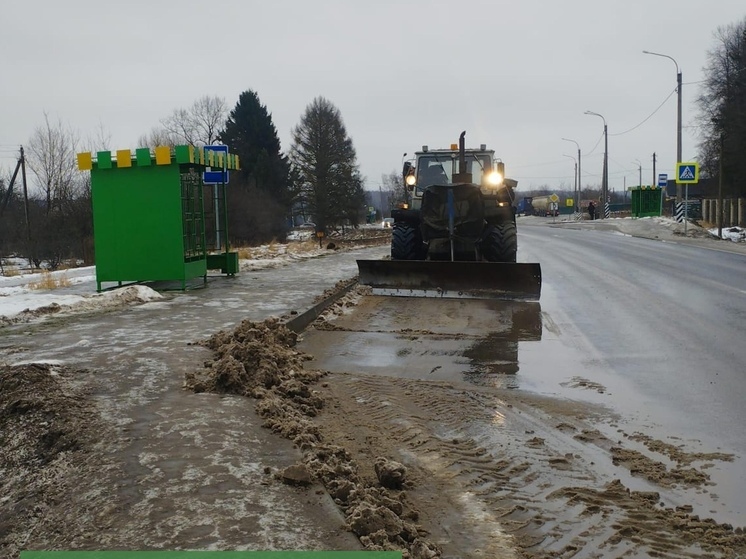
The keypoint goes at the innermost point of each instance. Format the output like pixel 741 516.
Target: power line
pixel 601 137
pixel 532 165
pixel 649 116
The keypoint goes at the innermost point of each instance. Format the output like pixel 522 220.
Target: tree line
pixel 317 181
pixel 722 111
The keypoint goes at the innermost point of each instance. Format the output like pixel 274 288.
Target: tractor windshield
pixel 440 168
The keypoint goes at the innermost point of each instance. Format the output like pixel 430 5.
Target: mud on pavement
pixel 433 466
pixel 495 468
pixel 49 441
pixel 484 471
pixel 259 360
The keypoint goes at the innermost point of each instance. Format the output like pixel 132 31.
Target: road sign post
pixel 554 208
pixel 215 178
pixel 686 174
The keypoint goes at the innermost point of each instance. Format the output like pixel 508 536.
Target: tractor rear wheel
pixel 501 244
pixel 405 242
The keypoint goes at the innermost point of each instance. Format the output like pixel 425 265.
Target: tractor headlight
pixel 410 180
pixel 494 178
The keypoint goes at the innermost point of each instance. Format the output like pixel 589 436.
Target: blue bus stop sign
pixel 216 176
pixel 662 180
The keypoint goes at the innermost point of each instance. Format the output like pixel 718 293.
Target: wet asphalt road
pixel 661 326
pixel 658 325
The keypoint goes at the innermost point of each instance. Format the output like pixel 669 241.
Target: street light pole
pixel 678 115
pixel 639 166
pixel 605 180
pixel 639 189
pixel 576 176
pixel 580 186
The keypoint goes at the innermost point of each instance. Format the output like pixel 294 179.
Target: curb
pixel 301 321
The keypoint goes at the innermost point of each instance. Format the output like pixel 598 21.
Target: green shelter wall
pixel 646 202
pixel 138 229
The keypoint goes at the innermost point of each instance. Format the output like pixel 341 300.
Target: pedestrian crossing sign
pixel 687 173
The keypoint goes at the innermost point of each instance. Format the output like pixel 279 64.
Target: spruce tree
pixel 259 194
pixel 328 182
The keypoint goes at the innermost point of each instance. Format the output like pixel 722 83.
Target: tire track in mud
pixel 495 472
pixel 395 417
pixel 491 473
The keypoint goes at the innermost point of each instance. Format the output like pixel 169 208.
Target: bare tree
pixel 158 137
pixel 393 185
pixel 722 108
pixel 99 140
pixel 51 158
pixel 200 123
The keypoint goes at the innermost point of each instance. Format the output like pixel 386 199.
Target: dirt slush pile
pixel 258 360
pixel 49 429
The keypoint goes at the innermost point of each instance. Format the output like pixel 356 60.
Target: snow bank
pixel 20 304
pixel 735 234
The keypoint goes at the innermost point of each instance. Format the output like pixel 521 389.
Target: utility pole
pixel 576 183
pixel 605 181
pixel 9 192
pixel 380 201
pixel 678 116
pixel 606 167
pixel 678 129
pixel 25 194
pixel 655 179
pixel 579 179
pixel 720 191
pixel 639 169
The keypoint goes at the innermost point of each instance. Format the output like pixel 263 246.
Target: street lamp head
pixel 573 141
pixel 596 114
pixel 671 58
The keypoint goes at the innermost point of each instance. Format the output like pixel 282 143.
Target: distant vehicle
pixel 524 206
pixel 387 223
pixel 542 206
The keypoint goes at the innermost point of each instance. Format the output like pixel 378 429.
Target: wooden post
pixel 733 212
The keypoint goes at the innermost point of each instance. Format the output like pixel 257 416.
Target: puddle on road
pixel 414 338
pixel 488 343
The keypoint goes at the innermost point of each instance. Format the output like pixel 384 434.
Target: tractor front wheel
pixel 501 244
pixel 406 243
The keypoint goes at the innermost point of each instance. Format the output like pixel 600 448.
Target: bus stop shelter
pixel 149 219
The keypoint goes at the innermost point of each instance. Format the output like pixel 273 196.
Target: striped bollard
pixel 679 212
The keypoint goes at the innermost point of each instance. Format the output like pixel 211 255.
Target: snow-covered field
pixel 25 296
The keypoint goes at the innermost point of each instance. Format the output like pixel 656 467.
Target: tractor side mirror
pixel 408 174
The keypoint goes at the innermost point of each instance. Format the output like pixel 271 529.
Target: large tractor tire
pixel 501 244
pixel 405 242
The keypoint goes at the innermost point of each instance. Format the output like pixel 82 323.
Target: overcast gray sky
pixel 517 76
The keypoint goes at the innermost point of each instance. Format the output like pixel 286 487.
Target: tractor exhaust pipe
pixel 462 153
